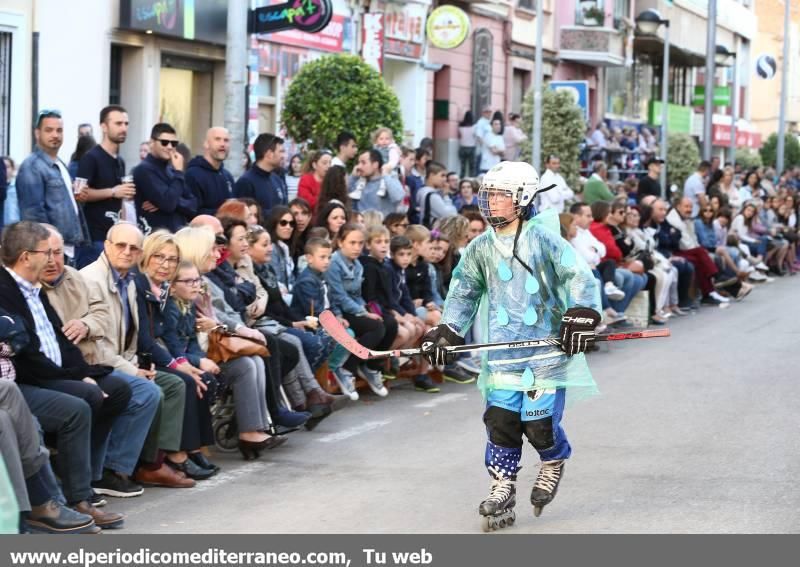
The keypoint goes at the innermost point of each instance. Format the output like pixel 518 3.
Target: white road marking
pixel 439 400
pixel 353 431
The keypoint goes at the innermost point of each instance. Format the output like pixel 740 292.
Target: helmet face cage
pixel 484 196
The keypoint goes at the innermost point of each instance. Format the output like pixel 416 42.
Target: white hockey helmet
pixel 516 178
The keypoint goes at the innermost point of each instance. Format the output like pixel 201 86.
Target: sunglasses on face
pixel 284 222
pixel 123 246
pixel 165 143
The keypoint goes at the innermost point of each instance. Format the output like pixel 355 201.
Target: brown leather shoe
pixel 165 476
pixel 104 520
pixel 319 397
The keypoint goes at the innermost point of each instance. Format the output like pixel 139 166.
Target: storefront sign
pixel 721 136
pixel 404 27
pixel 579 90
pixel 679 118
pixel 309 16
pixel 372 42
pixel 722 95
pixel 201 20
pixel 329 39
pixel 448 27
pixel 482 70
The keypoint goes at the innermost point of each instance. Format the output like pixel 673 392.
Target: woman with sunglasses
pixel 314 171
pixel 280 225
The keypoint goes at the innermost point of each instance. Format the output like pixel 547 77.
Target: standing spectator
pixel 144 149
pixel 104 169
pixel 314 171
pixel 513 136
pixel 371 188
pixel 85 143
pixel 163 199
pixel 596 188
pixel 649 185
pixel 466 144
pixel 44 187
pixel 334 189
pixel 9 207
pixel 556 197
pixel 492 147
pixel 433 200
pixel 346 149
pixel 206 175
pixel 85 130
pixel 264 180
pixel 481 129
pixel 695 189
pixel 295 171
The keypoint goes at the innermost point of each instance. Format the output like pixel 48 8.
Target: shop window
pixel 115 76
pixel 579 7
pixel 622 9
pixel 527 4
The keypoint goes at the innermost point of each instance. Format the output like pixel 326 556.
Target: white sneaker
pixel 757 276
pixel 720 298
pixel 347 383
pixel 374 380
pixel 762 266
pixel 613 292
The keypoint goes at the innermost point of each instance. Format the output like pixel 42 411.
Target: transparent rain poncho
pixel 516 305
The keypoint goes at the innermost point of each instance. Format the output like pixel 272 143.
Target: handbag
pixel 224 345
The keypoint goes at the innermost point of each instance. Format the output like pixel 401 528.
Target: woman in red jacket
pixel 602 231
pixel 314 171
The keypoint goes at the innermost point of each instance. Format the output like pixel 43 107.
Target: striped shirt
pixel 47 335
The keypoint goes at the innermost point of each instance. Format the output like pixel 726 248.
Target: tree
pixel 748 158
pixel 335 93
pixel 791 153
pixel 683 156
pixel 563 129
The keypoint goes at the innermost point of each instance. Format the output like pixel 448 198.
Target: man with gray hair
pixel 52 363
pixel 86 318
pixel 596 188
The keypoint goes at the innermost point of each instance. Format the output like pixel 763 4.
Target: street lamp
pixel 647 23
pixel 722 56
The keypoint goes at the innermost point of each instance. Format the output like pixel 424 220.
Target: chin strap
pixel 522 218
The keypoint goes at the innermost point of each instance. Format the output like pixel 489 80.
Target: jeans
pixel 247 376
pixel 685 277
pixel 316 346
pixel 603 297
pixel 70 419
pixel 631 284
pixel 130 428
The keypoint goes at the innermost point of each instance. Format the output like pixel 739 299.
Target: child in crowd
pixel 311 296
pixel 344 279
pixel 435 254
pixel 418 278
pixel 402 252
pixel 383 141
pixel 372 218
pixel 433 200
pixel 397 223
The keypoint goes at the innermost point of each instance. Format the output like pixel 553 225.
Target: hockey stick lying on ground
pixel 336 330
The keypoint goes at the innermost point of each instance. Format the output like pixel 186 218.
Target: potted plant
pixel 586 4
pixel 594 16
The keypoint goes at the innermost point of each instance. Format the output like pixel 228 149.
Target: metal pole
pixel 711 50
pixel 536 138
pixel 784 93
pixel 664 108
pixel 734 101
pixel 236 82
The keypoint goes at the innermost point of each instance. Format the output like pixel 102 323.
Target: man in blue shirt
pixel 264 182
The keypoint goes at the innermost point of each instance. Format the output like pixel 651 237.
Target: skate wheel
pixel 486 524
pixel 537 510
pixel 511 519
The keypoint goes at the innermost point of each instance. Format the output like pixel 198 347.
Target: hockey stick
pixel 336 330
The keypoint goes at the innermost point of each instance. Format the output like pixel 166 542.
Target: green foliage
pixel 748 158
pixel 335 93
pixel 563 129
pixel 791 152
pixel 683 156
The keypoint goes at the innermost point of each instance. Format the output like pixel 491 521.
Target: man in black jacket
pixel 206 176
pixel 162 196
pixel 54 378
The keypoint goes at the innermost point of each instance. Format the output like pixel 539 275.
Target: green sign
pixel 722 95
pixel 679 118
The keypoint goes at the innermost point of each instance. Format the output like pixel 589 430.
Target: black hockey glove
pixel 577 329
pixel 436 338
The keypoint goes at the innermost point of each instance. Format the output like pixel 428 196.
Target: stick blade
pixel 336 330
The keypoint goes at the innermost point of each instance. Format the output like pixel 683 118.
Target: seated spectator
pixel 728 267
pixel 86 316
pixel 370 219
pixel 332 218
pixel 418 278
pixel 477 224
pixel 76 401
pixel 163 198
pixel 334 190
pixel 246 375
pixel 467 194
pixel 433 199
pixel 667 239
pixel 238 209
pixel 301 211
pixel 436 252
pixel 280 225
pixel 397 223
pixel 596 188
pixel 110 282
pixel 206 176
pixel 455 230
pixel 314 171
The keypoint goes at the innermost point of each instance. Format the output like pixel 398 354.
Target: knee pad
pixel 540 433
pixel 503 427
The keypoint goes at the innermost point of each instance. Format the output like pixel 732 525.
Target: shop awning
pixel 652 47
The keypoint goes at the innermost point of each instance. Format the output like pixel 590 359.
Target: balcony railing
pixel 595 46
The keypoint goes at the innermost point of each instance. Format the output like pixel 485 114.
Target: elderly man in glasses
pixel 45 190
pixel 163 198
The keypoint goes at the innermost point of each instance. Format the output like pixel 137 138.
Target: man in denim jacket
pixel 44 187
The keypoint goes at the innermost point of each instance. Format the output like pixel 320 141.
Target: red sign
pixel 404 27
pixel 372 45
pixel 721 136
pixel 329 39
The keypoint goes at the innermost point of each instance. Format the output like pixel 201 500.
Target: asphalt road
pixel 697 433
